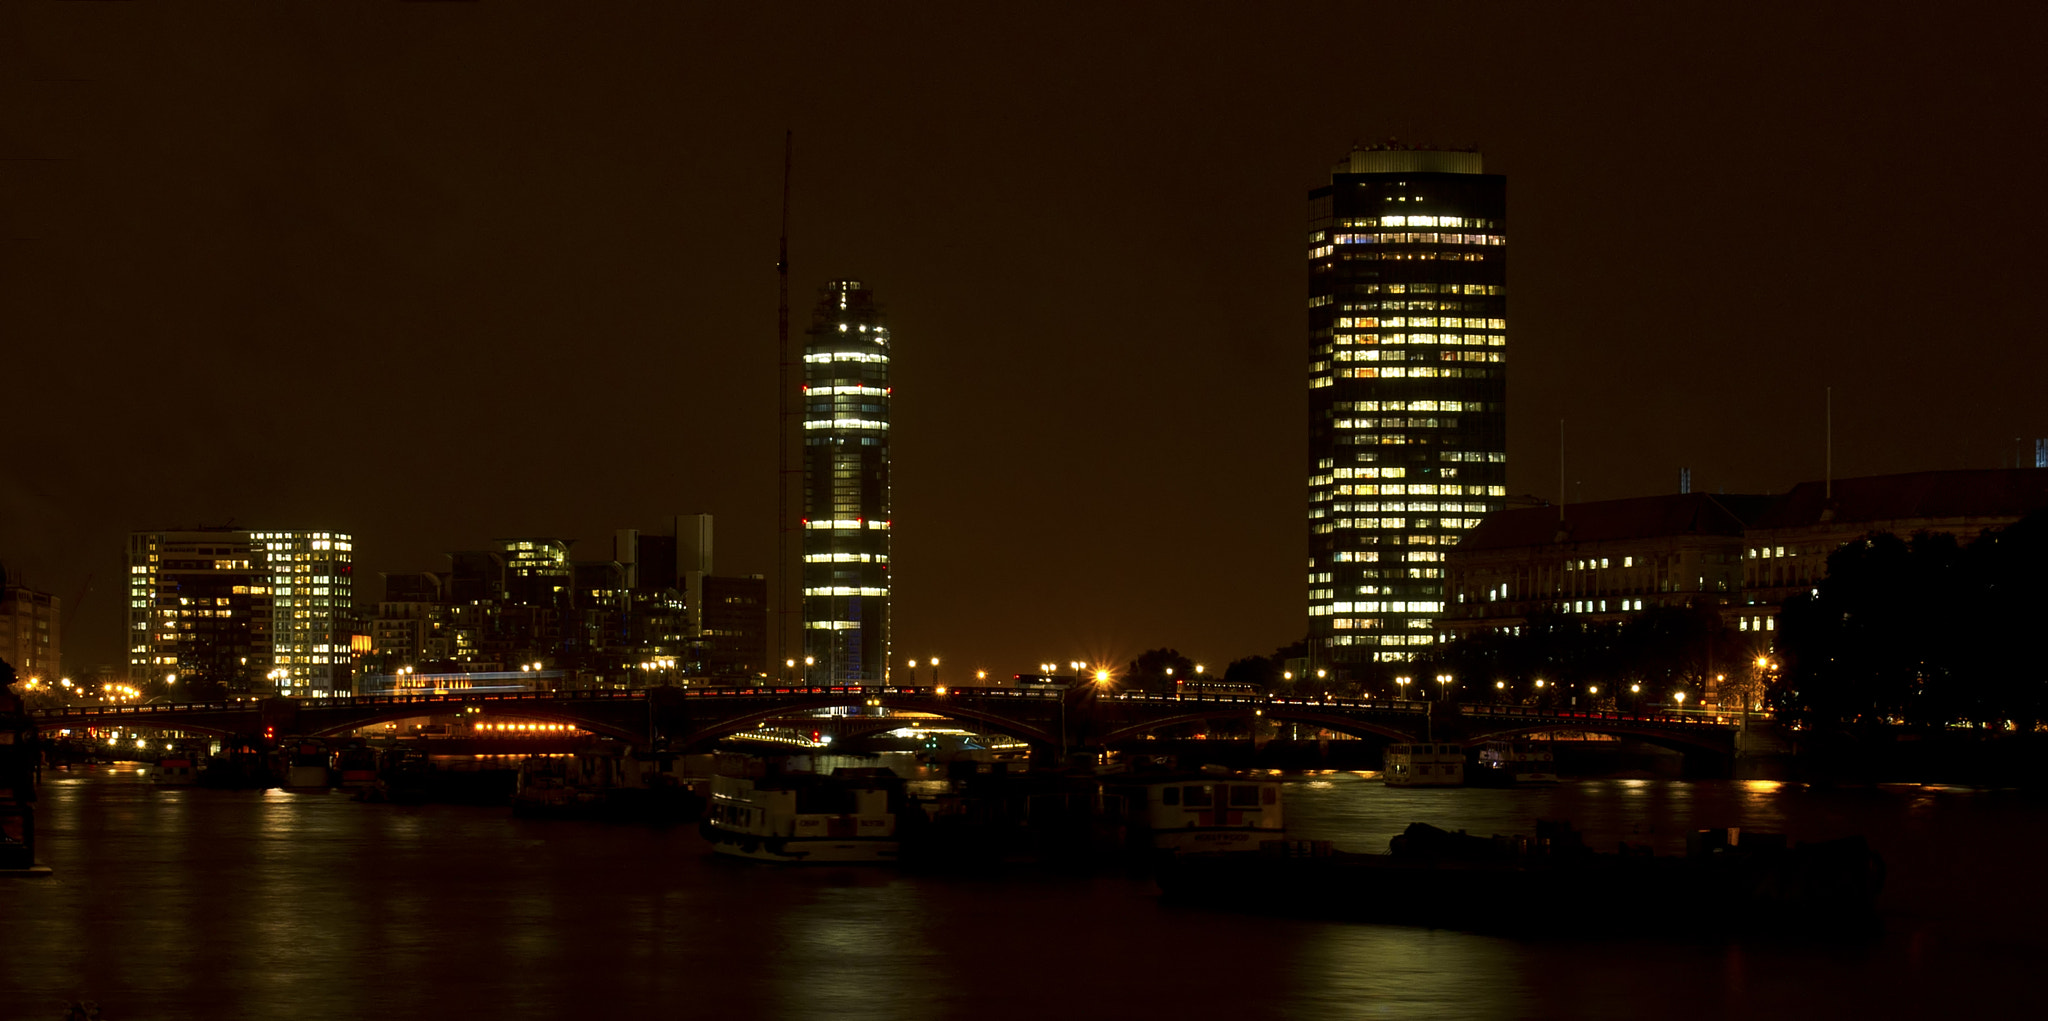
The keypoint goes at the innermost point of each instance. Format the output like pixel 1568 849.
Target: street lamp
pixel 1402 685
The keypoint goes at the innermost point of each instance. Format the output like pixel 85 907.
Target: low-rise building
pixel 1745 554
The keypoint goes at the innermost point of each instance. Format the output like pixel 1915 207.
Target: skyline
pixel 550 231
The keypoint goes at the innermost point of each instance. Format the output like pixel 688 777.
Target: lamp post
pixel 1400 685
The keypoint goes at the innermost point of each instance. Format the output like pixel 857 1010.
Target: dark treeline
pixel 1926 631
pixel 1664 655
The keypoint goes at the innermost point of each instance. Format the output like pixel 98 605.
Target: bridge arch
pixel 1343 724
pixel 702 732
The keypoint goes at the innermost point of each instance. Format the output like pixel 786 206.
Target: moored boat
pixel 1427 764
pixel 1514 764
pixel 175 770
pixel 850 816
pixel 306 766
pixel 1197 813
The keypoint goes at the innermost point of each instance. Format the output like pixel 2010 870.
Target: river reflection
pixel 225 904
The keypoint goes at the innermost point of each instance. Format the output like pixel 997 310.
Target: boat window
pixel 1170 796
pixel 1244 795
pixel 1197 797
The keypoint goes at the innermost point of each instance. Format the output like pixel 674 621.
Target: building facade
pixel 846 516
pixel 258 612
pixel 1407 312
pixel 31 633
pixel 1743 554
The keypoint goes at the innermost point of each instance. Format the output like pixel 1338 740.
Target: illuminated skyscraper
pixel 1407 390
pixel 257 612
pixel 846 488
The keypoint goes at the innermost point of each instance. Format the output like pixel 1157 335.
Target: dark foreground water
pixel 245 905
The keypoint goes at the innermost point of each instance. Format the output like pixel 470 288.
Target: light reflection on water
pixel 198 903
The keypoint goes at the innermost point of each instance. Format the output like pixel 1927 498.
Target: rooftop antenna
pixel 1828 479
pixel 782 472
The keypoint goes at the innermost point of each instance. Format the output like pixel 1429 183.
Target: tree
pixel 1262 671
pixel 1155 670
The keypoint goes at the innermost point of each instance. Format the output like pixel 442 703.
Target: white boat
pixel 848 817
pixel 1199 813
pixel 1515 764
pixel 175 771
pixel 1428 764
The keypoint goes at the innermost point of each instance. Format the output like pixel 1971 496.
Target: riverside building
pixel 1407 374
pixel 846 513
pixel 258 612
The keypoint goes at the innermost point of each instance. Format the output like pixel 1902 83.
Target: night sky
pixel 436 273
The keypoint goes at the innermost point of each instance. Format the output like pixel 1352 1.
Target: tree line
pixel 1925 631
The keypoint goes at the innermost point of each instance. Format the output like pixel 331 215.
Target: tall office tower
pixel 257 612
pixel 846 488
pixel 1408 391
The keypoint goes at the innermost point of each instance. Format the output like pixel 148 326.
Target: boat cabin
pixel 1427 764
pixel 1198 813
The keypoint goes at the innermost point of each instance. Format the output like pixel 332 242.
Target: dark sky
pixel 436 273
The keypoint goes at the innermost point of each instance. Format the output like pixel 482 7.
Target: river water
pixel 185 903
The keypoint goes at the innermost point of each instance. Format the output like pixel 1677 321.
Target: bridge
pixel 1048 718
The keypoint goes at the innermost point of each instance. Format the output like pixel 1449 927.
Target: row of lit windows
pixel 1413 372
pixel 1383 256
pixel 1414 339
pixel 1420 489
pixel 844 590
pixel 825 357
pixel 841 523
pixel 861 391
pixel 1488 289
pixel 846 558
pixel 846 423
pixel 1431 322
pixel 1431 238
pixel 1759 623
pixel 1402 523
pixel 1395 606
pixel 1418 221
